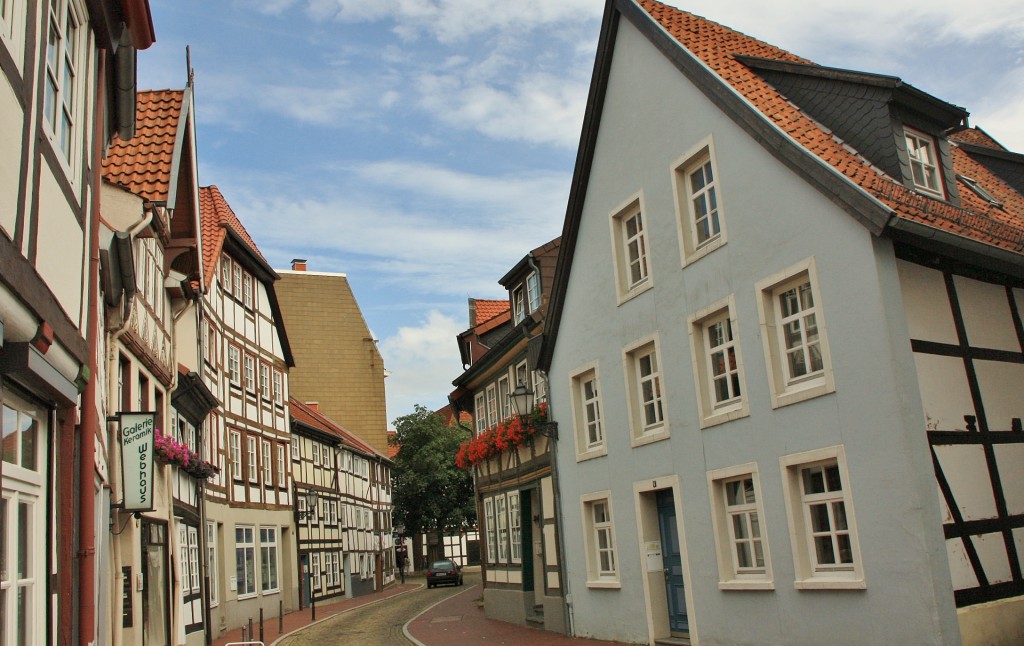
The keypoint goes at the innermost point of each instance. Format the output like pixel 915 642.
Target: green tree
pixel 430 492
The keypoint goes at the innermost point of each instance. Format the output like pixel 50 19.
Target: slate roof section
pixel 142 165
pixel 719 47
pixel 305 414
pixel 217 217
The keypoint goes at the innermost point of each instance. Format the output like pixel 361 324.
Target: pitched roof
pixel 487 310
pixel 143 164
pixel 313 418
pixel 719 48
pixel 713 58
pixel 217 217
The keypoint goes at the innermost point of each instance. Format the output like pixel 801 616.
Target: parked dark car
pixel 443 571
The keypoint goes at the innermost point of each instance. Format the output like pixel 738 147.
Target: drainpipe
pixel 90 414
pixel 567 614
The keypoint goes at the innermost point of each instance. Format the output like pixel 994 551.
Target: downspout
pixel 566 596
pixel 90 413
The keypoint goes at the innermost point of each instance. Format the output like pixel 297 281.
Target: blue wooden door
pixel 673 562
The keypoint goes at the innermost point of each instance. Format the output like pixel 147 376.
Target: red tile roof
pixel 314 418
pixel 487 310
pixel 142 165
pixel 976 136
pixel 718 46
pixel 216 217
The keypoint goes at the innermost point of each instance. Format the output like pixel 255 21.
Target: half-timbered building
pixel 67 78
pixel 785 330
pixel 152 281
pixel 245 362
pixel 343 508
pixel 512 463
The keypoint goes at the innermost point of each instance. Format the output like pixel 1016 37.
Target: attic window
pixel 924 167
pixel 973 184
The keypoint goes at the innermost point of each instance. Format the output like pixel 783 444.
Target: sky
pixel 423 147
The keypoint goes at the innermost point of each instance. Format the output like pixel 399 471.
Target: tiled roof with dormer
pixel 217 217
pixel 976 136
pixel 143 164
pixel 719 47
pixel 487 310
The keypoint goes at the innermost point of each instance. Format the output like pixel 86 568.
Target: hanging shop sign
pixel 137 436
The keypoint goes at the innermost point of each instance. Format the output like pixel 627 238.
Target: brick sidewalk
pixel 301 618
pixel 460 620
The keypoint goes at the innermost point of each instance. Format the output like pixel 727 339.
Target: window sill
pixel 733 412
pixel 650 437
pixel 632 293
pixel 827 583
pixel 591 454
pixel 270 593
pixel 741 584
pixel 802 392
pixel 244 597
pixel 604 585
pixel 704 250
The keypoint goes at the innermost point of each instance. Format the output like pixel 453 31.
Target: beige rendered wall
pixel 337 363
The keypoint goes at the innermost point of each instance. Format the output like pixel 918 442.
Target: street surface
pixel 379 623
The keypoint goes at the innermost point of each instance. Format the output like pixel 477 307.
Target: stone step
pixel 673 641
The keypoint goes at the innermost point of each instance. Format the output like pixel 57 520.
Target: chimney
pixel 314 406
pixel 299 264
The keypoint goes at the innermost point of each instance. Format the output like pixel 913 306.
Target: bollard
pixel 261 625
pixel 280 617
pixel 245 637
pixel 252 635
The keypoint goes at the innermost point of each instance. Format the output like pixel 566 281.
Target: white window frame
pixel 282 475
pixel 492 531
pixel 234 364
pixel 265 381
pixel 642 432
pixel 249 372
pixel 237 278
pixel 631 249
pixel 62 121
pixel 225 273
pixel 518 304
pixel 278 387
pixel 588 422
pixel 246 549
pixel 700 158
pixel 253 464
pixel 533 295
pixel 211 562
pixel 270 575
pixel 785 391
pixel 12 30
pixel 732 576
pixel 713 412
pixel 268 463
pixel 501 515
pixel 515 528
pixel 236 454
pixel 593 530
pixel 247 290
pixel 295 448
pixel 810 574
pixel 504 402
pixel 923 154
pixel 492 405
pixel 480 413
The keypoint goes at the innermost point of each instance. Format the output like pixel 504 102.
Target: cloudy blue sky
pixel 422 147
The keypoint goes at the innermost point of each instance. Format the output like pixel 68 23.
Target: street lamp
pixel 522 404
pixel 311 500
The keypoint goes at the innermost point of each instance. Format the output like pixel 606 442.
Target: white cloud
pixel 453 20
pixel 535 108
pixel 421 360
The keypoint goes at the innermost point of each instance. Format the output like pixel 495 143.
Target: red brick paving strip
pixel 302 618
pixel 460 620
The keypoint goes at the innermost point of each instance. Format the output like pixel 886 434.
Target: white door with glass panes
pixel 25 430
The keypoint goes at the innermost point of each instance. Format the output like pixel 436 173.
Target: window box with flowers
pixel 507 435
pixel 170 451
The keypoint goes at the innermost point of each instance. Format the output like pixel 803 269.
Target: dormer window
pixel 518 305
pixel 533 291
pixel 924 166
